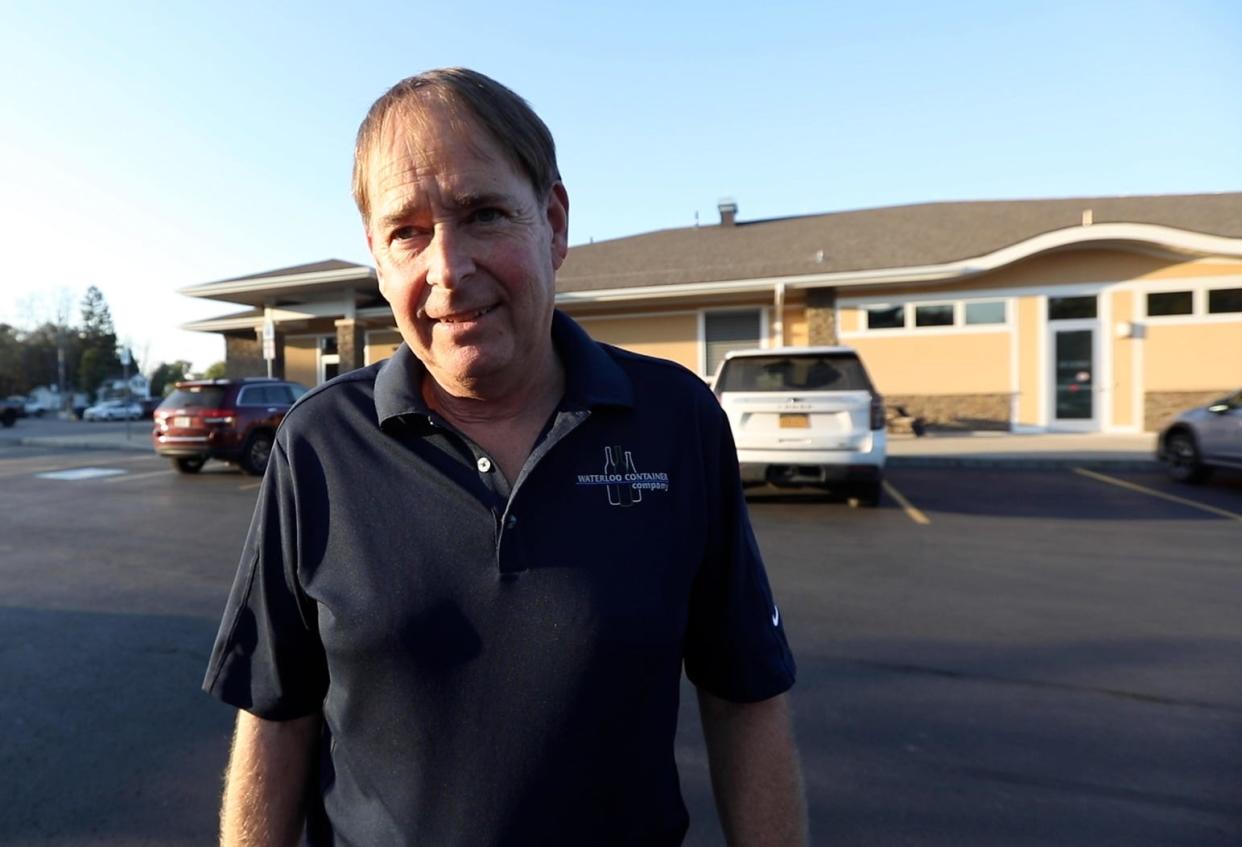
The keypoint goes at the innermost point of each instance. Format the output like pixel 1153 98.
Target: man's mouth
pixel 465 317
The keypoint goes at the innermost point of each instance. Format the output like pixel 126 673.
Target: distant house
pixel 1088 314
pixel 137 387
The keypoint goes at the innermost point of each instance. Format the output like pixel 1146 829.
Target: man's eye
pixel 488 215
pixel 403 233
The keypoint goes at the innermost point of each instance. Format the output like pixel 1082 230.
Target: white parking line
pixel 130 476
pixel 915 515
pixel 250 487
pixel 1172 498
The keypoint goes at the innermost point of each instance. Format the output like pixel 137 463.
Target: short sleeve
pixel 268 658
pixel 735 644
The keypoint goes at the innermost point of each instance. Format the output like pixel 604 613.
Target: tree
pixel 40 361
pixel 12 380
pixel 98 359
pixel 166 375
pixel 217 370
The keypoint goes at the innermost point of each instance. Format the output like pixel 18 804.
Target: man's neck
pixel 501 398
pixel 504 421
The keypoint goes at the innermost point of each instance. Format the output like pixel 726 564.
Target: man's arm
pixel 755 773
pixel 264 790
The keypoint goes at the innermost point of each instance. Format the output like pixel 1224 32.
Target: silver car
pixel 113 410
pixel 1203 438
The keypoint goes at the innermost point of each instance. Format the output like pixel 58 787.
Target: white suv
pixel 805 416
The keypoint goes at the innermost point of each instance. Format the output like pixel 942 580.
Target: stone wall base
pixel 1161 407
pixel 956 411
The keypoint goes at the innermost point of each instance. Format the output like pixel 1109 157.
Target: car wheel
pixel 8 417
pixel 189 464
pixel 869 494
pixel 255 456
pixel 1181 459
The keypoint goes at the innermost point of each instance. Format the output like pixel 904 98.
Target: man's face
pixel 466 251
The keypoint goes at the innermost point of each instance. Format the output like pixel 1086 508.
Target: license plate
pixel 182 422
pixel 790 420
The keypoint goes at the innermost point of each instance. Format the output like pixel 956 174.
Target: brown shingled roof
pixel 294 270
pixel 893 237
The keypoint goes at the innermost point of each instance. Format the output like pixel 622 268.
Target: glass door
pixel 1074 373
pixel 1074 364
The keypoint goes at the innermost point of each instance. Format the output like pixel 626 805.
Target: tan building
pixel 1092 314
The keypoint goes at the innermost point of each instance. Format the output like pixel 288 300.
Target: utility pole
pixel 125 376
pixel 60 365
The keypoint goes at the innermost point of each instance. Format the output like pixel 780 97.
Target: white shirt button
pixel 484 464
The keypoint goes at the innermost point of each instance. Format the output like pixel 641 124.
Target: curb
pixel 1023 462
pixel 81 444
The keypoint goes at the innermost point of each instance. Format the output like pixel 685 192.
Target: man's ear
pixel 558 219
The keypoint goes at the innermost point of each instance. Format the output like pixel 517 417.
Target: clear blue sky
pixel 146 146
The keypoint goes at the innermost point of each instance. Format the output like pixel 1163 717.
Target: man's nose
pixel 448 258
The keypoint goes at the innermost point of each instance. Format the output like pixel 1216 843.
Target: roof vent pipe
pixel 728 211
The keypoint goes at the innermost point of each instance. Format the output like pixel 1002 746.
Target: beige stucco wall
pixel 302 360
pixel 850 319
pixel 1067 267
pixel 1198 268
pixel 958 363
pixel 1193 357
pixel 797 332
pixel 1030 345
pixel 1123 356
pixel 381 344
pixel 667 336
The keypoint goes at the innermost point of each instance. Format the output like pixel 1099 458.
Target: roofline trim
pixel 215 290
pixel 1163 236
pixel 225 324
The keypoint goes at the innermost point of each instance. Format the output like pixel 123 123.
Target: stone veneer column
pixel 243 356
pixel 350 344
pixel 821 316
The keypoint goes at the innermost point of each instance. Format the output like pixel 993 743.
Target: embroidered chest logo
pixel 624 482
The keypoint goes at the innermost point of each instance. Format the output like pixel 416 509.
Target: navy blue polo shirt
pixel 496 664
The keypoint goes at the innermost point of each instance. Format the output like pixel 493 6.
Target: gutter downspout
pixel 778 324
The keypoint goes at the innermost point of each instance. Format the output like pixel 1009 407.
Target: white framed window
pixel 981 312
pixel 1224 300
pixel 1164 303
pixel 1215 300
pixel 933 314
pixel 886 316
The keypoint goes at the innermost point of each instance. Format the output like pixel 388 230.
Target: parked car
pixel 8 412
pixel 805 416
pixel 113 410
pixel 1202 439
pixel 19 403
pixel 231 420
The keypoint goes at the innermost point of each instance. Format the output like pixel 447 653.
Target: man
pixel 475 569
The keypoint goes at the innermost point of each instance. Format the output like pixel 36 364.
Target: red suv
pixel 230 419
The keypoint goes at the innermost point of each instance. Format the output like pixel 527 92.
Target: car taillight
pixel 877 411
pixel 216 416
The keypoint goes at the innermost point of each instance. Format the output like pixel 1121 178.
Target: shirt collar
pixel 592 378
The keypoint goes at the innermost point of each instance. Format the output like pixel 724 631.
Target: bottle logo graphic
pixel 619 469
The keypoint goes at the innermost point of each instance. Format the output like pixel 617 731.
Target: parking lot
pixel 994 656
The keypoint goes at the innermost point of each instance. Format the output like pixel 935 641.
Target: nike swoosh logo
pixel 776 616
